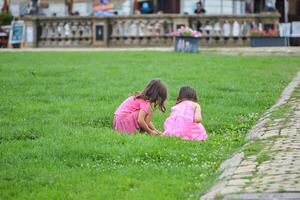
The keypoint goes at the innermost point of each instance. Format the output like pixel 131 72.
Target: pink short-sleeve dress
pixel 126 116
pixel 181 123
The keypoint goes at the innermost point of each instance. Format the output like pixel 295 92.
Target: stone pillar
pixel 100 32
pixel 30 35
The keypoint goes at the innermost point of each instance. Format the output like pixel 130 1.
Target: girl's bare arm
pixel 153 128
pixel 143 117
pixel 149 123
pixel 198 116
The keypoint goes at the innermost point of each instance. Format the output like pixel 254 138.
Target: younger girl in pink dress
pixel 136 111
pixel 185 119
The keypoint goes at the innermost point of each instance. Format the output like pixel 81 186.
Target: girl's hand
pixel 155 132
pixel 158 132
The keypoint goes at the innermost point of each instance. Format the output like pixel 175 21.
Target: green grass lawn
pixel 56 113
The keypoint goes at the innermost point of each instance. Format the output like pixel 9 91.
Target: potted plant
pixel 186 40
pixel 269 38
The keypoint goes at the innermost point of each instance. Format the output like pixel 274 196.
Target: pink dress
pixel 181 123
pixel 126 116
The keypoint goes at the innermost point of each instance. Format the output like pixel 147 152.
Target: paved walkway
pixel 268 166
pixel 221 50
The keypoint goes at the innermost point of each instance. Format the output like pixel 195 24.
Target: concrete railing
pixel 142 30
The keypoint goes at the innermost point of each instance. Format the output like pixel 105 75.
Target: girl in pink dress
pixel 185 119
pixel 136 111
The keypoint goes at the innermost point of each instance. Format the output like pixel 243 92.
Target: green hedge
pixel 5 18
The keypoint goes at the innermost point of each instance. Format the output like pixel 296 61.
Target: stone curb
pixel 255 131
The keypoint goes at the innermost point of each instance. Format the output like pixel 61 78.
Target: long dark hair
pixel 187 93
pixel 156 93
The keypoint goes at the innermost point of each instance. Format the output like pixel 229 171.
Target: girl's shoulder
pixel 141 100
pixel 191 103
pixel 188 102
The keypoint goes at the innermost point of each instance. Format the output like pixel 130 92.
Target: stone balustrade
pixel 229 30
pixel 55 33
pixel 143 30
pixel 136 31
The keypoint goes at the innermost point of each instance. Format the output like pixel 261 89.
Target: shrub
pixel 5 18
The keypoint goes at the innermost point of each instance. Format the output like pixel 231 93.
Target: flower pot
pixel 264 41
pixel 186 44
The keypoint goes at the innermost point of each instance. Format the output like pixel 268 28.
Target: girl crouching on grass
pixel 185 119
pixel 135 112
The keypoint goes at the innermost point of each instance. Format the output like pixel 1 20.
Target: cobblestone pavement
pixel 268 166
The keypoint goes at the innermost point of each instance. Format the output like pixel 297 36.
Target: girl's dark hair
pixel 156 93
pixel 187 93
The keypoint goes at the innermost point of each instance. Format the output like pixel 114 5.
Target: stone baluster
pixel 170 30
pixel 247 35
pixel 121 27
pixel 143 32
pixel 53 35
pixel 48 33
pixel 128 40
pixel 167 27
pixel 235 32
pixel 61 30
pixel 115 29
pixel 161 27
pixel 81 25
pixel 122 31
pixel 208 31
pixel 132 29
pixel 156 27
pixel 55 31
pixel 161 32
pixel 154 37
pixel 126 28
pixel 82 36
pixel 217 31
pixel 89 33
pixel 75 32
pixel 67 30
pixel 148 29
pixel 150 32
pixel 156 32
pixel 113 35
pixel 67 33
pixel 244 31
pixel 60 34
pixel 134 32
pixel 142 28
pixel 226 31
